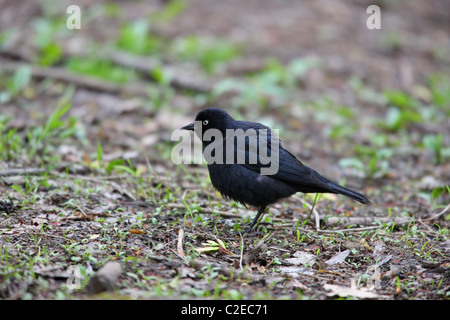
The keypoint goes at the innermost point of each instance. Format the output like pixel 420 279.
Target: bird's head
pixel 211 118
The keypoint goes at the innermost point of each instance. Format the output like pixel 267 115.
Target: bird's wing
pixel 253 144
pixel 264 151
pixel 287 167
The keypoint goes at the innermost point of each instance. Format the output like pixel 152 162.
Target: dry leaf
pixel 349 292
pixel 338 258
pixel 301 257
pixel 137 231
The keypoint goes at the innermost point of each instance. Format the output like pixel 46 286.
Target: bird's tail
pixel 335 188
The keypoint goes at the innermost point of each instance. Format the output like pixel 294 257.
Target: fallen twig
pixel 364 221
pixel 341 230
pixel 437 215
pixel 180 243
pixel 147 66
pixel 79 80
pixel 21 171
pixel 142 64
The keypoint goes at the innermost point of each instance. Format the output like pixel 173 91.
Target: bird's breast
pixel 245 186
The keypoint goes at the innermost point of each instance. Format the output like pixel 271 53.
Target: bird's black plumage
pixel 243 181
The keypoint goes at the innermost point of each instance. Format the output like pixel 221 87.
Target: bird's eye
pixel 205 122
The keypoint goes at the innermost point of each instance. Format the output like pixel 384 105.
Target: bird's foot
pixel 248 230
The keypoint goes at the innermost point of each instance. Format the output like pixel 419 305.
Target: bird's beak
pixel 190 126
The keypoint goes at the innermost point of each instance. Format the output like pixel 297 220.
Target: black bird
pixel 242 180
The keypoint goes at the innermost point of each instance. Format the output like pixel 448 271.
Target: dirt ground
pixel 98 185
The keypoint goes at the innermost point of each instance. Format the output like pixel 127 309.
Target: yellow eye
pixel 205 122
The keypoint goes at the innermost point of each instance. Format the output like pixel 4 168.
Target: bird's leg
pixel 255 220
